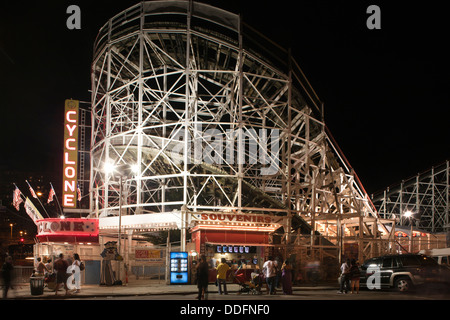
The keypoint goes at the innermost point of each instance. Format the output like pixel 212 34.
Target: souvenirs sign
pixel 259 222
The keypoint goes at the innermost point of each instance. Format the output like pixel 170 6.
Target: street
pixel 426 294
pixel 324 302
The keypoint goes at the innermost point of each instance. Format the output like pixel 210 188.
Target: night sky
pixel 386 92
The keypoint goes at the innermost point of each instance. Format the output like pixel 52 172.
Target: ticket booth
pixel 69 236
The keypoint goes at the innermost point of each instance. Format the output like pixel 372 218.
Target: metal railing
pixel 22 274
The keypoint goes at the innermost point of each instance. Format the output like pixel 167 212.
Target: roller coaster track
pixel 215 116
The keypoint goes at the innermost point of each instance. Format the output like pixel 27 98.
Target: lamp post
pixel 409 214
pixel 119 251
pixel 123 170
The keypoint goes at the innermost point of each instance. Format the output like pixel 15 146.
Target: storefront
pixel 243 240
pixel 69 236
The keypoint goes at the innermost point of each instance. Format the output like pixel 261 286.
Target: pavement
pixel 133 288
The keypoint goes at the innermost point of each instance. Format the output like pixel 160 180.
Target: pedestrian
pixel 345 277
pixel 7 276
pixel 49 266
pixel 202 278
pixel 270 274
pixel 241 262
pixel 41 269
pixel 286 277
pixel 278 266
pixel 60 266
pixel 355 275
pixel 76 270
pixel 222 270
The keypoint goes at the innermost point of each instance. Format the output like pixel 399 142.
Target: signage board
pixel 151 256
pixel 70 150
pixel 68 229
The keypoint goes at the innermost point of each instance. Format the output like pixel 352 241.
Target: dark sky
pixel 386 92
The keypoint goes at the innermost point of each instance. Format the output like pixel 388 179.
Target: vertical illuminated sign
pixel 70 164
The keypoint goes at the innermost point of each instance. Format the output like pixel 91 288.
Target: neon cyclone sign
pixel 70 164
pixel 55 229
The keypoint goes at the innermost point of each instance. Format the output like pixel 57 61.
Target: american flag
pixel 50 195
pixel 32 191
pixel 17 200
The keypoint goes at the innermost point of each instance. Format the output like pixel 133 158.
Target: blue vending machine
pixel 179 268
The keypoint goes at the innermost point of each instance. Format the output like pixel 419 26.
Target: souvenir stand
pixel 243 240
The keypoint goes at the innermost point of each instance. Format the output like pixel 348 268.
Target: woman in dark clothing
pixel 7 275
pixel 202 278
pixel 354 276
pixel 286 277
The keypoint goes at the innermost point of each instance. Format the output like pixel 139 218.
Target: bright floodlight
pixel 109 167
pixel 135 168
pixel 408 213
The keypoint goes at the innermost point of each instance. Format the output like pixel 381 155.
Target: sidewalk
pixel 134 288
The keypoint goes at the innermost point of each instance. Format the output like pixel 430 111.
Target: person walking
pixel 41 269
pixel 286 277
pixel 355 275
pixel 7 276
pixel 278 264
pixel 60 266
pixel 76 270
pixel 345 277
pixel 270 274
pixel 202 278
pixel 49 266
pixel 222 270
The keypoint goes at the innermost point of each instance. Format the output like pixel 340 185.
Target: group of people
pixel 271 270
pixel 61 267
pixel 273 273
pixel 203 277
pixel 350 275
pixel 64 270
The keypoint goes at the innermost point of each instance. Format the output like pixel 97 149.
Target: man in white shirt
pixel 270 273
pixel 345 277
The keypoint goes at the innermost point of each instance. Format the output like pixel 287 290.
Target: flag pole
pixel 20 191
pixel 35 196
pixel 21 195
pixel 57 201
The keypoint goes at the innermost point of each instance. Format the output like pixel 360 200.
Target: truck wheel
pixel 403 284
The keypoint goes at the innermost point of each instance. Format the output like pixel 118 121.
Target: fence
pixel 22 274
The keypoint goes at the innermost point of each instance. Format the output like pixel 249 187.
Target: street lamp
pixel 409 214
pixel 123 170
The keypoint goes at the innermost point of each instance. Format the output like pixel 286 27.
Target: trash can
pixel 37 285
